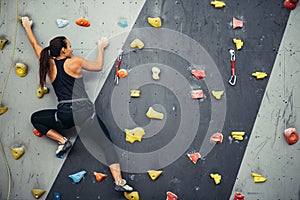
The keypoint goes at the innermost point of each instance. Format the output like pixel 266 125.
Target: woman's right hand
pixel 103 42
pixel 26 22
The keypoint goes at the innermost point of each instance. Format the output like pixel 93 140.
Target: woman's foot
pixel 122 186
pixel 63 148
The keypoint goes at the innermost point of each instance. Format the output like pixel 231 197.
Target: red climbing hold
pixel 171 196
pixel 194 157
pixel 238 196
pixel 99 176
pixel 83 22
pixel 198 73
pixel 37 133
pixel 291 135
pixel 197 94
pixel 289 4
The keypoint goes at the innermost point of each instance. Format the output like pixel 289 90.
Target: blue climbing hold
pixel 77 176
pixel 61 23
pixel 57 196
pixel 123 23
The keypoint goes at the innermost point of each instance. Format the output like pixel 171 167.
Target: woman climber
pixel 74 107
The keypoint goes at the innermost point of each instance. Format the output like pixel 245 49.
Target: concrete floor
pixel 267 153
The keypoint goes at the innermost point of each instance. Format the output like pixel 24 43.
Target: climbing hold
pixel 238 196
pixel 21 69
pixel 99 176
pixel 17 152
pixel 257 178
pixel 238 43
pixel 155 73
pixel 216 138
pixel 122 23
pixel 194 157
pixel 154 21
pixel 132 195
pixel 217 94
pixel 198 73
pixel 135 93
pixel 82 22
pixel 237 23
pixel 37 133
pixel 289 4
pixel 154 174
pixel 171 196
pixel 218 4
pixel 259 75
pixel 216 177
pixel 137 43
pixel 61 23
pixel 3 109
pixel 41 91
pixel 37 193
pixel 238 135
pixel 135 134
pixel 291 135
pixel 122 73
pixel 2 43
pixel 197 94
pixel 77 176
pixel 57 196
pixel 152 114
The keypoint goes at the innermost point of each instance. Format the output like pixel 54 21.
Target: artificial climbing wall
pixel 194 35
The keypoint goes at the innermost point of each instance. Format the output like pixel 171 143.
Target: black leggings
pixel 93 131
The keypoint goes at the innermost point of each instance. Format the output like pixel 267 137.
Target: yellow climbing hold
pixel 2 43
pixel 218 4
pixel 37 193
pixel 135 134
pixel 238 135
pixel 259 75
pixel 137 43
pixel 154 21
pixel 17 152
pixel 135 93
pixel 257 178
pixel 154 174
pixel 238 43
pixel 41 91
pixel 216 177
pixel 217 94
pixel 132 195
pixel 21 69
pixel 3 109
pixel 152 114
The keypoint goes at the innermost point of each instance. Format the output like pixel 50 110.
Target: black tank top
pixel 65 86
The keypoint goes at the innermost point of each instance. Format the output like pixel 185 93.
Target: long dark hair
pixel 56 44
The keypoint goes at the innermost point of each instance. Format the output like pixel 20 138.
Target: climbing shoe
pixel 63 148
pixel 123 188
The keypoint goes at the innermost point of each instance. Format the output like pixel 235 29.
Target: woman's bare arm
pixel 27 23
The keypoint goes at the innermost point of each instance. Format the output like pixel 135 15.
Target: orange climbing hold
pixel 83 22
pixel 194 157
pixel 122 73
pixel 99 176
pixel 37 133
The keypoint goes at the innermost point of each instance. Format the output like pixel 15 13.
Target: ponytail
pixel 49 52
pixel 44 65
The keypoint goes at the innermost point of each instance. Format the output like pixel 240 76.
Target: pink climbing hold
pixel 197 94
pixel 216 138
pixel 237 23
pixel 198 73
